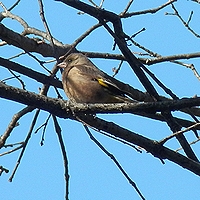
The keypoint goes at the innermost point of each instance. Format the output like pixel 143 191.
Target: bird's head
pixel 74 59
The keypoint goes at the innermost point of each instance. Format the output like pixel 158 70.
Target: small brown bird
pixel 83 82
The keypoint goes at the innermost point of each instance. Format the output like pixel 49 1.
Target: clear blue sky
pixel 92 174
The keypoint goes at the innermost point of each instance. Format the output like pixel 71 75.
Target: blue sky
pixel 92 174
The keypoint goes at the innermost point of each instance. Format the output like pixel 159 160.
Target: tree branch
pixel 151 146
pixel 31 45
pixel 51 104
pixel 63 109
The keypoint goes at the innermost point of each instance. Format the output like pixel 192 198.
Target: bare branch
pixel 42 78
pixel 46 25
pixel 30 45
pixel 60 109
pixel 13 123
pixel 3 169
pixel 25 145
pixel 112 157
pixel 83 36
pixel 13 150
pixel 14 5
pixel 151 146
pixel 151 11
pixel 179 132
pixel 184 22
pixel 126 9
pixel 50 104
pixel 62 146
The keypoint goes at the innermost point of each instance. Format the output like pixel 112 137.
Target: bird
pixel 83 82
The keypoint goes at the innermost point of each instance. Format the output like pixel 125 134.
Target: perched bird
pixel 83 82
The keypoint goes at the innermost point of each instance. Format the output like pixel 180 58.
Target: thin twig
pixel 40 62
pixel 25 144
pixel 44 129
pixel 152 11
pixel 46 25
pixel 116 70
pixel 27 29
pixel 184 22
pixel 112 157
pixel 126 9
pixel 12 145
pixel 190 17
pixel 95 5
pixel 17 55
pixel 13 123
pixel 14 5
pixel 101 4
pixel 9 78
pixel 191 143
pixel 110 136
pixel 12 150
pixel 3 169
pixel 17 77
pixel 178 132
pixel 140 31
pixel 62 145
pixel 84 35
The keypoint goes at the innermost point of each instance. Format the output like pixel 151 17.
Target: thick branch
pixel 49 104
pixel 30 45
pixel 61 109
pixel 42 78
pixel 150 145
pixel 38 101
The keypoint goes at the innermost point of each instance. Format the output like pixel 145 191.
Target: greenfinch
pixel 83 82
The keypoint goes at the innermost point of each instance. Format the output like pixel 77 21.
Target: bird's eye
pixel 69 60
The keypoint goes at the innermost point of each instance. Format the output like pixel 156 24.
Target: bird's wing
pixel 110 86
pixel 92 72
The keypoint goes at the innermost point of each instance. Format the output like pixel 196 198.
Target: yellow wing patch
pixel 102 82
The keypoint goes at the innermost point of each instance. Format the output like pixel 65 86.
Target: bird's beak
pixel 62 65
